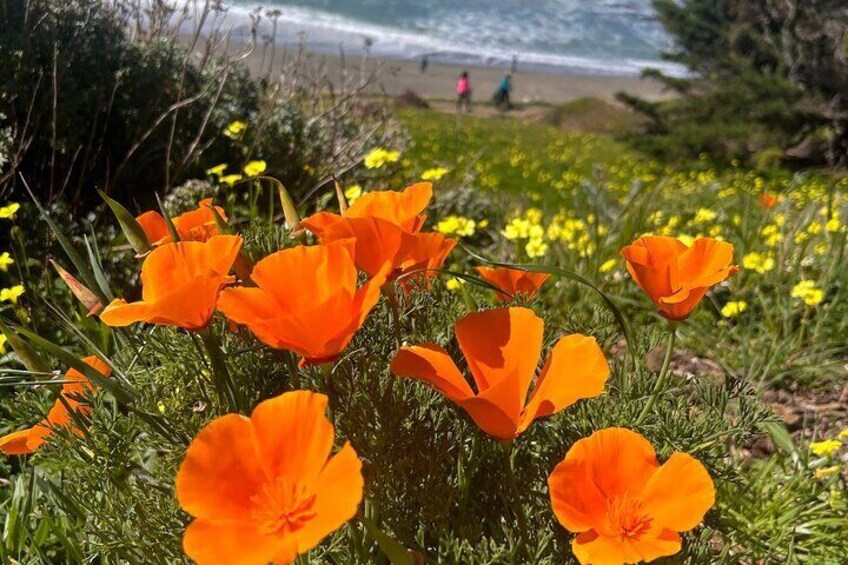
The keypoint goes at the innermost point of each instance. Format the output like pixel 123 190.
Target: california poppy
pixel 768 200
pixel 305 301
pixel 265 489
pixel 194 225
pixel 71 399
pixel 502 349
pixel 513 281
pixel 625 506
pixel 386 227
pixel 676 277
pixel 179 284
pixel 403 209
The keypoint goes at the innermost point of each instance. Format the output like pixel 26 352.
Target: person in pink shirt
pixel 463 92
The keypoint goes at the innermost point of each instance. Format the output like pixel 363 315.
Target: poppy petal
pixel 679 493
pixel 319 223
pixel 490 413
pixel 236 542
pixel 432 364
pixel 293 435
pixel 216 483
pixel 338 492
pixel 500 344
pixel 578 504
pixel 589 547
pixel 120 313
pixel 618 460
pixel 154 227
pixel 17 443
pixel 575 369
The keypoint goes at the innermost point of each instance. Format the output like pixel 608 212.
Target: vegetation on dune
pixel 551 348
pixel 768 82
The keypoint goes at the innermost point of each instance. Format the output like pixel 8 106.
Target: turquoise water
pixel 596 36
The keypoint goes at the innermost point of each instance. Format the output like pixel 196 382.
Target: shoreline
pixel 438 82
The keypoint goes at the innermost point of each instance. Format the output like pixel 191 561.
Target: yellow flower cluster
pixel 11 294
pixel 379 157
pixel 759 262
pixel 353 192
pixel 255 168
pixel 734 308
pixel 528 227
pixel 5 261
pixel 808 292
pixel 8 211
pixel 457 225
pixel 825 448
pixel 235 130
pixel 434 174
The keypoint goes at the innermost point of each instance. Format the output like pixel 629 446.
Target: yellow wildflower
pixel 378 157
pixel 482 224
pixel 217 170
pixel 230 179
pixel 8 212
pixel 434 174
pixel 686 240
pixel 536 247
pixel 704 215
pixel 2 344
pixel 454 283
pixel 353 192
pixel 832 225
pixel 608 266
pixel 5 261
pixel 11 294
pixel 517 228
pixel 825 448
pixel 772 235
pixel 758 262
pixel 808 292
pixel 533 215
pixel 826 471
pixel 734 308
pixel 459 225
pixel 235 129
pixel 255 168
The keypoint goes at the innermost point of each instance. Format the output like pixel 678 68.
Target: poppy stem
pixel 394 309
pixel 227 392
pixel 513 486
pixel 660 382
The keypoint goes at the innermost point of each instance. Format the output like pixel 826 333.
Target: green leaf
pixel 169 223
pixel 396 552
pixel 112 386
pixel 81 265
pixel 27 354
pixel 129 225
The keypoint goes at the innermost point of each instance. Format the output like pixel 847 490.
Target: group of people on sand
pixel 500 98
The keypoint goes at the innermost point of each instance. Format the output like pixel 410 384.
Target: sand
pixel 439 80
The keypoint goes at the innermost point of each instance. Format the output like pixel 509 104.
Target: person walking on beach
pixel 502 95
pixel 463 92
pixel 425 62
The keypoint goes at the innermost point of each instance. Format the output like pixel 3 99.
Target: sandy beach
pixel 438 82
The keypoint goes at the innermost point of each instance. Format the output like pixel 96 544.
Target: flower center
pixel 282 507
pixel 625 513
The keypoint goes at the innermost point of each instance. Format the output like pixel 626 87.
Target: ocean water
pixel 617 37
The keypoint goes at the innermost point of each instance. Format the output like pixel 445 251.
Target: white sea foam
pixel 556 37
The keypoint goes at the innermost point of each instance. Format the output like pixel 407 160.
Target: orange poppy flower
pixel 386 228
pixel 502 348
pixel 768 200
pixel 403 209
pixel 265 489
pixel 625 506
pixel 179 284
pixel 676 277
pixel 27 441
pixel 305 300
pixel 379 242
pixel 513 281
pixel 194 225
